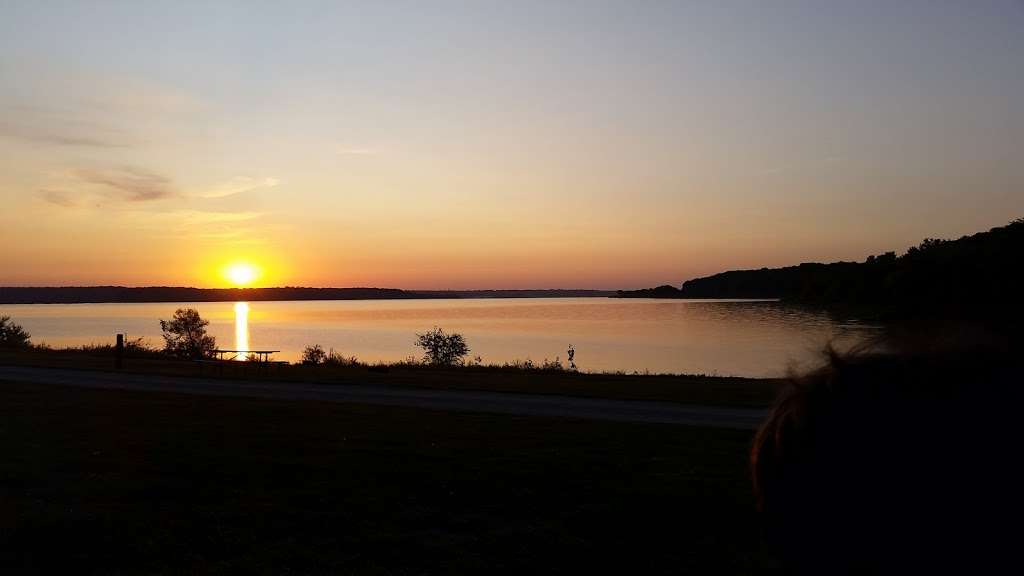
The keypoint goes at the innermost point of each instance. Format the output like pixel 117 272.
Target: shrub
pixel 442 349
pixel 555 365
pixel 138 346
pixel 336 359
pixel 314 355
pixel 185 335
pixel 529 365
pixel 408 362
pixel 132 347
pixel 518 364
pixel 12 335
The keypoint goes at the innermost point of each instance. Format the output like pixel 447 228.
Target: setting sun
pixel 241 273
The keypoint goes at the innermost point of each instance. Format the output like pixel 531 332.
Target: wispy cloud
pixel 54 129
pixel 238 185
pixel 131 184
pixel 57 197
pixel 98 187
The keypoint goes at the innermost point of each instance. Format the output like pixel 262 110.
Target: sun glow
pixel 241 273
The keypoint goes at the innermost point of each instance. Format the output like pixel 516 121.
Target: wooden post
pixel 119 352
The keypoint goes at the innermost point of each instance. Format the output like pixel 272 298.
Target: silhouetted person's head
pixel 893 463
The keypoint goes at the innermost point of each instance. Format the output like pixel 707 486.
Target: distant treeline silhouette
pixel 90 294
pixel 539 293
pixel 108 294
pixel 973 272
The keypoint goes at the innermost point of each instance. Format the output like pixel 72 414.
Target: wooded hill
pixel 977 271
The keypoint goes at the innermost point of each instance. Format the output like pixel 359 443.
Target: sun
pixel 241 273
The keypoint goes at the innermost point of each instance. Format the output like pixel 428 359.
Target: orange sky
pixel 532 145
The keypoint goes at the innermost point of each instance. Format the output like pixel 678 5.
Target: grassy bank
pixel 119 482
pixel 696 389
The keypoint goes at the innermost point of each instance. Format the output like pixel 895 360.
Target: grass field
pixel 693 389
pixel 108 482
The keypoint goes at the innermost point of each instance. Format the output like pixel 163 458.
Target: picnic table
pixel 259 359
pixel 250 355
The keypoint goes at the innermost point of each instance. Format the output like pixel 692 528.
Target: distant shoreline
pixel 157 294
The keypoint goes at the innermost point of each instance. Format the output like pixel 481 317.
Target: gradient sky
pixel 497 145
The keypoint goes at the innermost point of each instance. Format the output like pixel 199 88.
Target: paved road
pixel 449 400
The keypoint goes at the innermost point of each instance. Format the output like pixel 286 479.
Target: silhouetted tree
pixel 314 355
pixel 12 335
pixel 442 349
pixel 185 335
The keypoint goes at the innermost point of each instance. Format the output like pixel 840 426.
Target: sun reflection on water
pixel 242 329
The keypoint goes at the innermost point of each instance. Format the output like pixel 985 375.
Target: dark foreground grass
pixel 108 482
pixel 692 389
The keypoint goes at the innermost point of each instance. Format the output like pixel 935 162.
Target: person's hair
pixel 886 462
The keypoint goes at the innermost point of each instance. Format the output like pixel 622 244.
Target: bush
pixel 336 359
pixel 13 335
pixel 529 365
pixel 518 364
pixel 316 355
pixel 313 355
pixel 442 349
pixel 556 365
pixel 185 335
pixel 136 347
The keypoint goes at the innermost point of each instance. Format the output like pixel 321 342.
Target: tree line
pixel 973 274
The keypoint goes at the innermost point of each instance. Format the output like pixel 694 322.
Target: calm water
pixel 717 337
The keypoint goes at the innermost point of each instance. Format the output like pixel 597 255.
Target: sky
pixel 484 144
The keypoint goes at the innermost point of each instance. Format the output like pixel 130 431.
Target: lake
pixel 723 337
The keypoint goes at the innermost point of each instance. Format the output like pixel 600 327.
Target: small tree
pixel 314 355
pixel 185 335
pixel 12 335
pixel 442 349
